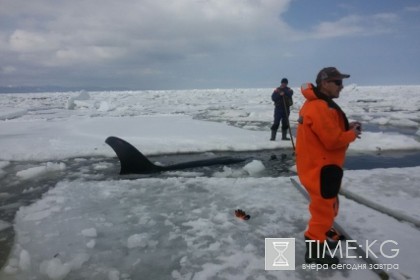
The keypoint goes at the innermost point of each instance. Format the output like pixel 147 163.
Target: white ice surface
pixel 184 227
pixel 173 121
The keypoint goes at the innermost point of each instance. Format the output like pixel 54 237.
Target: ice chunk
pixel 4 225
pixel 89 232
pixel 114 275
pixel 91 244
pixel 55 269
pixel 24 260
pixel 79 260
pixel 104 106
pixel 255 167
pixel 40 170
pixel 137 240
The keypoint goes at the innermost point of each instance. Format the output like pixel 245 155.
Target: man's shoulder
pixel 315 105
pixel 314 110
pixel 289 90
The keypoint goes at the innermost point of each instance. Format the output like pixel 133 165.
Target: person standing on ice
pixel 323 136
pixel 282 98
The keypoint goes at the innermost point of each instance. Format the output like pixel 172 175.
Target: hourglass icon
pixel 280 247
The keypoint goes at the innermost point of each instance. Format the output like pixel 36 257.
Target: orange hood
pixel 308 92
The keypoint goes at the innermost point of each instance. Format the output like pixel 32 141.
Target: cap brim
pixel 345 76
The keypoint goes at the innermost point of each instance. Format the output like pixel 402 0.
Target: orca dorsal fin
pixel 132 160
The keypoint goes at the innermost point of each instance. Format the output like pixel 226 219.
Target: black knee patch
pixel 331 176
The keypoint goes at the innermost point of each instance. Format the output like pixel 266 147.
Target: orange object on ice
pixel 242 215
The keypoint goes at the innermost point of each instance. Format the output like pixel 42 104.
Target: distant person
pixel 323 136
pixel 282 98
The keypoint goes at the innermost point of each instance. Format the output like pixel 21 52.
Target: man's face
pixel 332 88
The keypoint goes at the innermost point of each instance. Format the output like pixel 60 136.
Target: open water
pixel 15 192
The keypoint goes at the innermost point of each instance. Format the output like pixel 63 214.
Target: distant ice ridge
pixel 11 113
pixel 73 124
pixel 84 100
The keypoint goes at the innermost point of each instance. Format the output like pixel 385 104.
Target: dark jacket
pixel 278 99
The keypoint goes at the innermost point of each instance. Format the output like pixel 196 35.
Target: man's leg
pixel 284 127
pixel 276 124
pixel 323 212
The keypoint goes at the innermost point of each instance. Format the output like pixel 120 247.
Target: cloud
pixel 137 38
pixel 414 9
pixel 8 70
pixel 105 30
pixel 356 25
pixel 167 44
pixel 26 41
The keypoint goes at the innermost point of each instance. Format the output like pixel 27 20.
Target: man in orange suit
pixel 323 136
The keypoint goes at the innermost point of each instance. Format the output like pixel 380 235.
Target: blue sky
pixel 183 44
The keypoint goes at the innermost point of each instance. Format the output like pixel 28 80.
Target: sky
pixel 185 44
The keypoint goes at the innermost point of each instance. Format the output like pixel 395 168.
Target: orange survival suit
pixel 322 139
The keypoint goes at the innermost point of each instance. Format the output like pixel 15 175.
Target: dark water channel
pixel 16 192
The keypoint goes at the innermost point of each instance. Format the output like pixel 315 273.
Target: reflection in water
pixel 398 159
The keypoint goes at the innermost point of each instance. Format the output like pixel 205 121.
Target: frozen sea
pixel 87 222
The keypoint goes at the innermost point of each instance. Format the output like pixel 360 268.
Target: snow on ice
pixel 183 226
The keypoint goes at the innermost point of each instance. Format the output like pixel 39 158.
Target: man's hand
pixel 280 92
pixel 357 128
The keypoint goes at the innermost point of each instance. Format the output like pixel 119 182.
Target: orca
pixel 132 161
